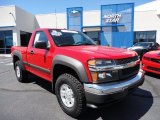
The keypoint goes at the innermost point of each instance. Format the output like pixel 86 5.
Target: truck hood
pixel 99 52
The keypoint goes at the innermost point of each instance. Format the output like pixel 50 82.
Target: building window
pixel 94 35
pixel 25 37
pixel 6 41
pixel 144 36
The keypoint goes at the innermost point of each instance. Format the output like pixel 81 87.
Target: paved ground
pixel 35 101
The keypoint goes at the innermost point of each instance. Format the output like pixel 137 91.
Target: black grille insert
pixel 126 60
pixel 128 72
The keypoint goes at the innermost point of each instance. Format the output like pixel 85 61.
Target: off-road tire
pixel 78 92
pixel 23 75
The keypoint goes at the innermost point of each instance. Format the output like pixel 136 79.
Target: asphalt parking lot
pixel 35 101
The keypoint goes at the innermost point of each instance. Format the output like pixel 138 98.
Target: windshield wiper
pixel 85 44
pixel 60 45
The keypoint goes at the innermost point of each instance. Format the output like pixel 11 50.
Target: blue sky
pixel 49 6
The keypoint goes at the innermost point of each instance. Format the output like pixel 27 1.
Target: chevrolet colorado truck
pixel 81 73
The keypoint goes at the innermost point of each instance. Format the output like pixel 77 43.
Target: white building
pixel 16 24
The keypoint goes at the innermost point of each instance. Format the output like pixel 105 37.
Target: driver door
pixel 37 57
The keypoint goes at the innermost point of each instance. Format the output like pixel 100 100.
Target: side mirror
pixel 48 46
pixel 41 44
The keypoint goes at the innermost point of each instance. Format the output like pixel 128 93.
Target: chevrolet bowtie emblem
pixel 131 64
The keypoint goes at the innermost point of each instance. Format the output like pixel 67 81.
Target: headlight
pixel 100 62
pixel 102 70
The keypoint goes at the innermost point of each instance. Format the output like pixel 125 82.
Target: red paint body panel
pixel 43 58
pixel 151 62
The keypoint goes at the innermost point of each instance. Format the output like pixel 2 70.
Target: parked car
pixel 151 62
pixel 142 47
pixel 81 72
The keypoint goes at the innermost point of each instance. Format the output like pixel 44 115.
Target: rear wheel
pixel 70 95
pixel 21 74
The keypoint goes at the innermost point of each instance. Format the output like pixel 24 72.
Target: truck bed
pixel 22 50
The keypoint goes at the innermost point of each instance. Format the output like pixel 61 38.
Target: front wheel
pixel 70 95
pixel 21 74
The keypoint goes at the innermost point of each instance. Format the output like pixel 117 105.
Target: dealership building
pixel 117 25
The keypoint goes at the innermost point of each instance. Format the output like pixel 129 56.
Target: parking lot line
pixel 3 60
pixel 6 61
pixel 9 64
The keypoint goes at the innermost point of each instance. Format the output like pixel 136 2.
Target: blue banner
pixel 75 18
pixel 117 21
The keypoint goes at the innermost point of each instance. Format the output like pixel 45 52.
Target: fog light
pixel 102 75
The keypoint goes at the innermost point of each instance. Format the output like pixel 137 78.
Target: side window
pixel 40 36
pixel 77 38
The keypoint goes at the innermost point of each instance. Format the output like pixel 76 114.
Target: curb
pixel 5 55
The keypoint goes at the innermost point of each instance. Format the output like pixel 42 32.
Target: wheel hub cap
pixel 18 71
pixel 67 95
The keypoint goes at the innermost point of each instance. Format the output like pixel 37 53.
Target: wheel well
pixel 15 58
pixel 60 69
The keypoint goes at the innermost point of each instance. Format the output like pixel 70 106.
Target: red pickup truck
pixel 81 72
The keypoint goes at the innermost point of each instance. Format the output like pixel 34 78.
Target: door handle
pixel 31 52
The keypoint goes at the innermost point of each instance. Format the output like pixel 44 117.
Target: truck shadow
pixel 41 82
pixel 133 107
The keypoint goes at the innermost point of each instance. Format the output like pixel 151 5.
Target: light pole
pixel 13 25
pixel 13 17
pixel 56 17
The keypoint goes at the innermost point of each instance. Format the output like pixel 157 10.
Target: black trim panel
pixel 19 55
pixel 38 68
pixel 76 65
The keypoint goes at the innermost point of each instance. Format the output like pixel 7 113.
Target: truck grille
pixel 124 69
pixel 123 74
pixel 126 60
pixel 128 72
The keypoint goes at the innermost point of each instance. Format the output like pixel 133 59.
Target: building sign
pixel 112 18
pixel 75 11
pixel 117 21
pixel 75 18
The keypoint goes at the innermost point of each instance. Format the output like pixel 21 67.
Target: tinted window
pixel 144 36
pixel 1 39
pixel 70 38
pixel 8 38
pixel 143 44
pixel 6 41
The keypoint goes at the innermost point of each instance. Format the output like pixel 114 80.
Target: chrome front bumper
pixel 111 88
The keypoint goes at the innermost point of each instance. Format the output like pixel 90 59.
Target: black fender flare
pixel 19 55
pixel 75 64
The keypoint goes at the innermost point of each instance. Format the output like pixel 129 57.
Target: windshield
pixel 70 38
pixel 144 44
